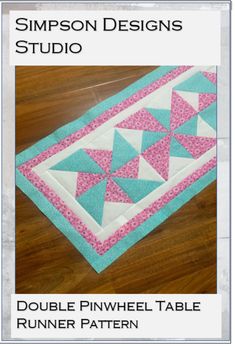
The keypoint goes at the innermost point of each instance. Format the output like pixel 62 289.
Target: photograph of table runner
pixel 109 178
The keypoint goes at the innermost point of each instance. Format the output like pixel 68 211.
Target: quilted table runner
pixel 110 177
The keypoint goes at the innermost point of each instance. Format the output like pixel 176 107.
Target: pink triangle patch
pixel 86 180
pixel 158 156
pixel 102 157
pixel 205 100
pixel 181 111
pixel 115 194
pixel 211 76
pixel 141 120
pixel 129 170
pixel 196 145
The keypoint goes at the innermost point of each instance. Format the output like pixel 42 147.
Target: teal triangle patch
pixel 197 83
pixel 137 189
pixel 176 149
pixel 78 162
pixel 122 152
pixel 161 115
pixel 209 115
pixel 189 127
pixel 149 138
pixel 93 200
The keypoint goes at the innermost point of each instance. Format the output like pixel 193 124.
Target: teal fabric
pixel 122 152
pixel 161 115
pixel 197 83
pixel 93 200
pixel 98 262
pixel 137 189
pixel 209 115
pixel 176 149
pixel 149 138
pixel 189 127
pixel 78 162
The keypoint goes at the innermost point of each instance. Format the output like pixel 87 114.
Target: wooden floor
pixel 178 257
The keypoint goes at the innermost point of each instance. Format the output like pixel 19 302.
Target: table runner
pixel 110 177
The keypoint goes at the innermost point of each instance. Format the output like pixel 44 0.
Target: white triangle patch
pixel 67 179
pixel 112 210
pixel 161 102
pixel 147 172
pixel 204 130
pixel 134 137
pixel 104 142
pixel 191 98
pixel 176 164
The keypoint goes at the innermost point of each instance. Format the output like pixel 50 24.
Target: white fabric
pixel 66 179
pixel 204 130
pixel 148 172
pixel 176 164
pixel 112 210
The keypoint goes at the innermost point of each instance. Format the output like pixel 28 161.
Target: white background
pixel 198 43
pixel 152 324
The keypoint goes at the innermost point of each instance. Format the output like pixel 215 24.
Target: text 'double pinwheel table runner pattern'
pixel 110 177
